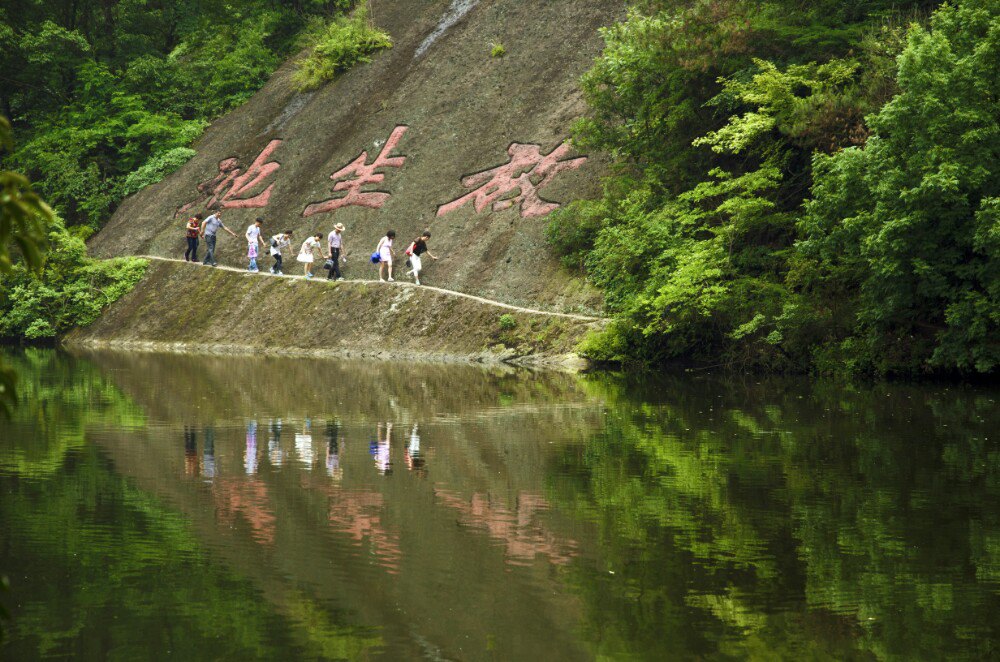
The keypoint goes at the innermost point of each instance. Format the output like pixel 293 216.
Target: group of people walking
pixel 333 251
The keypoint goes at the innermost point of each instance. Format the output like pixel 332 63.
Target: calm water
pixel 238 508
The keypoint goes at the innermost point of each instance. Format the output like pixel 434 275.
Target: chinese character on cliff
pixel 360 173
pixel 527 173
pixel 232 188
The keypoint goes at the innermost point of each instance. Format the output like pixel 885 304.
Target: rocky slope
pixel 183 307
pixel 448 111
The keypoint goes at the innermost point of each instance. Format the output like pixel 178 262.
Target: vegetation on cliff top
pixel 107 97
pixel 797 186
pixel 337 46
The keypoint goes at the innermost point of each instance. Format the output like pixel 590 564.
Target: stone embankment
pixel 191 308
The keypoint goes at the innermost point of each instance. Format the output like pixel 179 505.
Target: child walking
pixel 384 250
pixel 253 238
pixel 306 256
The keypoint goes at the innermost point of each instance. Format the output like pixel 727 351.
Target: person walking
pixel 384 250
pixel 192 230
pixel 209 229
pixel 335 243
pixel 306 256
pixel 418 248
pixel 254 238
pixel 280 242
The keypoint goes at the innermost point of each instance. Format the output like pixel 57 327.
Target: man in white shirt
pixel 253 238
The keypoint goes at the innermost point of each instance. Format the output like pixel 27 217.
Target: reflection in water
pixel 248 499
pixel 358 514
pixel 275 455
pixel 568 518
pixel 303 445
pixel 381 448
pixel 414 458
pixel 208 454
pixel 190 451
pixel 522 534
pixel 333 469
pixel 250 456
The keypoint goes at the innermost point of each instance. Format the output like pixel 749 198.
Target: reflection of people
pixel 303 444
pixel 383 445
pixel 250 457
pixel 333 450
pixel 274 452
pixel 414 458
pixel 190 451
pixel 208 454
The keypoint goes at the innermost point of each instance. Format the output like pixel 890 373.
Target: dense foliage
pixel 23 217
pixel 69 291
pixel 106 97
pixel 338 46
pixel 796 188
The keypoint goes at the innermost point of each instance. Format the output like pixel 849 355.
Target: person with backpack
pixel 280 242
pixel 416 249
pixel 384 252
pixel 192 230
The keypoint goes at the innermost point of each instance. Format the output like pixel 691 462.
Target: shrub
pixel 70 291
pixel 507 322
pixel 155 169
pixel 345 42
pixel 497 50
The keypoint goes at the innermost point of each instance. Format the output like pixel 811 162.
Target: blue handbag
pixel 376 258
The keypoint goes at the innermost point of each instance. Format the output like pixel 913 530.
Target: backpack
pixel 409 250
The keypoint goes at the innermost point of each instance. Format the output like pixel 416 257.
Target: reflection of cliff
pixel 246 498
pixel 523 536
pixel 350 539
pixel 357 513
pixel 214 389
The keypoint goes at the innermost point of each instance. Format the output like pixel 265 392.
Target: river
pixel 194 507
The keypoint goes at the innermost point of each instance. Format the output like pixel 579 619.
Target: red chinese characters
pixel 527 173
pixel 359 173
pixel 234 189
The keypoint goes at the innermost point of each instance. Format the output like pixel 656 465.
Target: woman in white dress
pixel 307 253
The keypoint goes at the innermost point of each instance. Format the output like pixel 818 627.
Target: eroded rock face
pixel 451 140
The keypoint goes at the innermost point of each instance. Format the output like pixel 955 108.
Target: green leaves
pixel 919 230
pixel 344 42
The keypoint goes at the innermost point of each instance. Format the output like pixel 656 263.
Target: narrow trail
pixel 431 288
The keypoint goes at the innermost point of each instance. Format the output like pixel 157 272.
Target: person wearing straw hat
pixel 337 251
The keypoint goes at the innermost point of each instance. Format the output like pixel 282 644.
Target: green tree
pixel 23 219
pixel 908 227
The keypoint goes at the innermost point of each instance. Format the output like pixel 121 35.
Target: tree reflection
pixel 782 517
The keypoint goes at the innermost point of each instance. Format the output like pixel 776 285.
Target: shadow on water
pixel 264 507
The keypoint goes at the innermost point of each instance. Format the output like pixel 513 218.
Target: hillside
pixel 461 108
pixel 241 313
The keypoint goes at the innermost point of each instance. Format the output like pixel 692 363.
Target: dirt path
pixel 462 295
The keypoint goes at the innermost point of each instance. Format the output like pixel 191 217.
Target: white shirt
pixel 334 240
pixel 282 243
pixel 253 232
